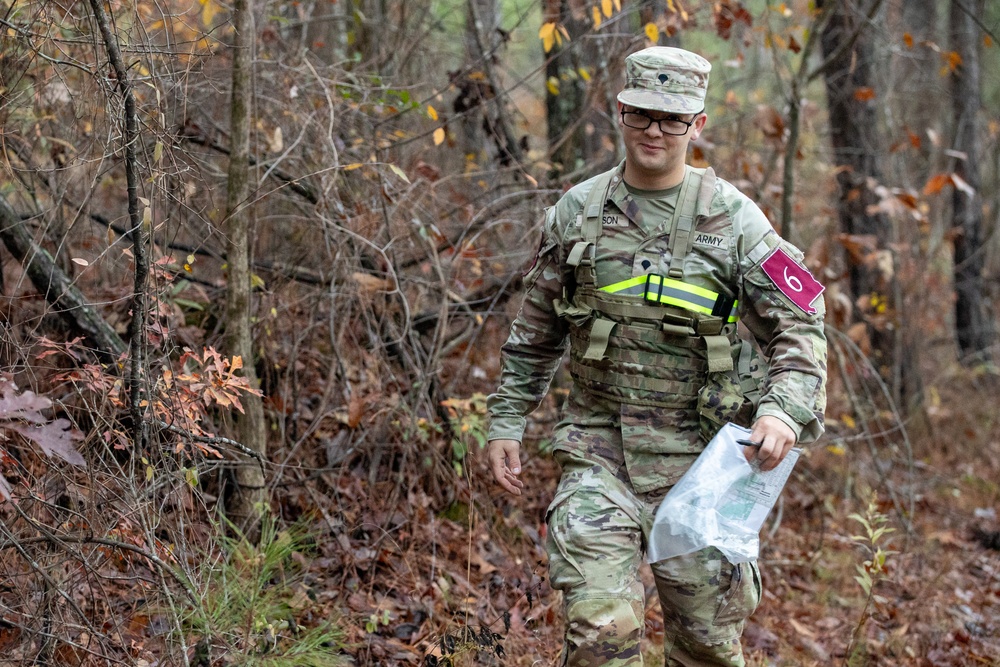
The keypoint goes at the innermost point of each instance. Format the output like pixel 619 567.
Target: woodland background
pixel 258 261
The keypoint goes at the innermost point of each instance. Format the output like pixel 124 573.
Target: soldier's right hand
pixel 506 464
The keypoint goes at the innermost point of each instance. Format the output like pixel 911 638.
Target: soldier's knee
pixel 603 631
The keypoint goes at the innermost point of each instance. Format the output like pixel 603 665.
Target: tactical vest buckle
pixel 654 288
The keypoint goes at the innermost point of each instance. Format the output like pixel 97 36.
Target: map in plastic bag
pixel 721 501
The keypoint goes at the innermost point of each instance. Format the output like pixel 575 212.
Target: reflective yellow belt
pixel 660 289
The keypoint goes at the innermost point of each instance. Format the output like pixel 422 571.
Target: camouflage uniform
pixel 635 417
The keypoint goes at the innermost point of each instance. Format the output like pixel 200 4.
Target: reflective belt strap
pixel 720 357
pixel 660 290
pixel 600 333
pixel 633 286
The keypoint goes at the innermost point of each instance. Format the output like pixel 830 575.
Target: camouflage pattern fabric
pixel 620 450
pixel 664 78
pixel 597 528
pixel 660 440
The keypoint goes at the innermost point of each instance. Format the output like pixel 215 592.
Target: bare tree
pixel 847 42
pixel 249 477
pixel 973 328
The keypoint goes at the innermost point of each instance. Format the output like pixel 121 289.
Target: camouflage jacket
pixel 732 244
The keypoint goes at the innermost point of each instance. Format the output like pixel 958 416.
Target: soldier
pixel 643 273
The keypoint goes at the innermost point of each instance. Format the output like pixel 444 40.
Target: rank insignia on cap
pixel 793 280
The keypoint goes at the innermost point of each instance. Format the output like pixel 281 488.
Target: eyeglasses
pixel 639 120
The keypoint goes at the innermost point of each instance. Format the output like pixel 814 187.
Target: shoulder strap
pixel 593 209
pixel 581 255
pixel 682 224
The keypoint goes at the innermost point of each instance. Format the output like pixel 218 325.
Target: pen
pixel 749 443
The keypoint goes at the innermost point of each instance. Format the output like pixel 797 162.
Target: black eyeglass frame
pixel 659 121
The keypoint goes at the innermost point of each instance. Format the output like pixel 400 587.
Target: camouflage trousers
pixel 597 531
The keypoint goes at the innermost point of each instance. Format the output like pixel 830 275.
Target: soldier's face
pixel 651 155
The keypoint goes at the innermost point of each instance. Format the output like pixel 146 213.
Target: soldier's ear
pixel 699 125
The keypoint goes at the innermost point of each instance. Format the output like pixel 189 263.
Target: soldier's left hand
pixel 776 438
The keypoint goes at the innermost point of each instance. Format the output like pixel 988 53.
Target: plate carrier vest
pixel 657 340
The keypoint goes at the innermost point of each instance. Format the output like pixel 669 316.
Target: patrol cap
pixel 664 78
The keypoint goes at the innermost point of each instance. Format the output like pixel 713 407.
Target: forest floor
pixel 409 578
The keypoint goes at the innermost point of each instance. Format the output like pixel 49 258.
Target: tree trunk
pixel 488 129
pixel 917 79
pixel 57 288
pixel 139 231
pixel 854 133
pixel 565 94
pixel 243 504
pixel 973 328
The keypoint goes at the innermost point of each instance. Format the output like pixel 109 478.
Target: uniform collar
pixel 619 195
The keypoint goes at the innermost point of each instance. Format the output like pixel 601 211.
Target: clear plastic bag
pixel 721 501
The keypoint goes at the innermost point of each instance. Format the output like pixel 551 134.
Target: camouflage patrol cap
pixel 663 78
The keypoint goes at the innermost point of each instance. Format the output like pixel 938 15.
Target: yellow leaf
pixel 355 165
pixel 597 16
pixel 849 421
pixel 256 281
pixel 399 172
pixel 210 9
pixel 553 85
pixel 670 6
pixel 836 449
pixel 149 473
pixel 618 5
pixel 432 112
pixel 606 8
pixel 584 73
pixel 652 32
pixel 547 33
pixel 438 136
pixel 189 259
pixel 157 152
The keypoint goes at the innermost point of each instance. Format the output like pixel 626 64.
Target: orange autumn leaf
pixel 865 94
pixel 952 61
pixel 908 40
pixel 936 183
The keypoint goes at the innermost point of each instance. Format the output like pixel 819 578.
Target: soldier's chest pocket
pixel 711 267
